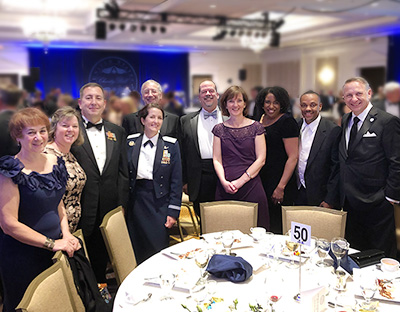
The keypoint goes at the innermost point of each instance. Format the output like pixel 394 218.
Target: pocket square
pixel 369 135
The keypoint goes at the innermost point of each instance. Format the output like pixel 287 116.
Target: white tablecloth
pixel 282 282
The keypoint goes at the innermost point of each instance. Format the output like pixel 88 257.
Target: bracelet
pixel 248 174
pixel 49 243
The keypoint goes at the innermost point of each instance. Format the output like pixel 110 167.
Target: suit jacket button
pixel 162 177
pixel 160 185
pixel 160 193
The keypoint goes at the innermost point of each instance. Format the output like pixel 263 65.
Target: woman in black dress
pixel 282 138
pixel 32 214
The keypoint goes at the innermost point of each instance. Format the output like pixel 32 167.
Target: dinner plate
pixel 395 293
pixel 241 240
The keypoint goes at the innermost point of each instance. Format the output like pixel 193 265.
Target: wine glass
pixel 201 259
pixel 167 282
pixel 339 247
pixel 227 239
pixel 199 292
pixel 323 246
pixel 292 246
pixel 368 288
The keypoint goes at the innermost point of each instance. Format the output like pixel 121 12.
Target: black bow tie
pixel 98 126
pixel 148 142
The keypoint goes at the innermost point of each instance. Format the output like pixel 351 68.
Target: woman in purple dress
pixel 239 153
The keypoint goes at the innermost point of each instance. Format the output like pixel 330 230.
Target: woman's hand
pixel 237 184
pixel 170 222
pixel 73 240
pixel 277 195
pixel 66 245
pixel 229 187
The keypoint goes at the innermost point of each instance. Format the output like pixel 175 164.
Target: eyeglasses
pixel 348 97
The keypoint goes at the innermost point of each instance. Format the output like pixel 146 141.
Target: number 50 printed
pixel 300 233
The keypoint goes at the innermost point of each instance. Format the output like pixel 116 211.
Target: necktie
pixel 149 143
pixel 212 114
pixel 353 132
pixel 98 126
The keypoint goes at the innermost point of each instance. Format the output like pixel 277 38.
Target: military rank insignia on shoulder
pixel 169 139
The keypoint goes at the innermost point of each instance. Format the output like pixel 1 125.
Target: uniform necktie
pixel 149 143
pixel 353 132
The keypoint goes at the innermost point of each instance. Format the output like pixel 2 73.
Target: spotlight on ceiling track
pixel 111 26
pixel 233 32
pixel 241 33
pixel 122 27
pixel 163 30
pixel 133 28
pixel 221 35
pixel 275 39
pixel 143 28
pixel 153 29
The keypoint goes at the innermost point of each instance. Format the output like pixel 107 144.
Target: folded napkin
pixel 234 269
pixel 346 262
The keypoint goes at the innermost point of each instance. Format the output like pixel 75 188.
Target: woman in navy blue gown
pixel 32 215
pixel 239 153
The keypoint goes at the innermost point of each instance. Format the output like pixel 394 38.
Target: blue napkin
pixel 346 262
pixel 234 269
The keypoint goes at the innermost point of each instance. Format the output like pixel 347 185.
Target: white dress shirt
pixel 146 158
pixel 97 141
pixel 204 134
pixel 362 117
pixel 307 135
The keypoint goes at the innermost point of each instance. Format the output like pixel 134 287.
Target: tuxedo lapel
pixel 193 127
pixel 159 153
pixel 317 143
pixel 88 148
pixel 110 136
pixel 342 145
pixel 136 151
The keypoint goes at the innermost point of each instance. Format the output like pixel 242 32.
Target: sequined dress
pixel 238 154
pixel 40 195
pixel 75 185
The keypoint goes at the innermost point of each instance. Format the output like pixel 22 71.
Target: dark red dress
pixel 238 154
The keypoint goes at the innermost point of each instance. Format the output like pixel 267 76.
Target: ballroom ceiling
pixel 307 22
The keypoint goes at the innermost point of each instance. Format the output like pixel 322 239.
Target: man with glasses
pixel 369 155
pixel 318 166
pixel 199 177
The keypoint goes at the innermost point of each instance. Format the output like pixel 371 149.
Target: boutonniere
pixel 111 136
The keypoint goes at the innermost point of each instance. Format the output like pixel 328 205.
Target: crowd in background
pixel 119 151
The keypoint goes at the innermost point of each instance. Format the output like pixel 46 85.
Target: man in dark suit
pixel 391 102
pixel 199 177
pixel 103 157
pixel 369 155
pixel 318 166
pixel 10 97
pixel 151 93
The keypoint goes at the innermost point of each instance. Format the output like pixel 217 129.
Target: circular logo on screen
pixel 114 74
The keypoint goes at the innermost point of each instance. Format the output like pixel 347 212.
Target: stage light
pixel 122 27
pixel 257 34
pixel 264 34
pixel 111 26
pixel 143 28
pixel 249 33
pixel 275 39
pixel 153 29
pixel 221 35
pixel 241 32
pixel 163 30
pixel 233 32
pixel 133 28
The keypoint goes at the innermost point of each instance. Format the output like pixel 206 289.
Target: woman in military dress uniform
pixel 155 184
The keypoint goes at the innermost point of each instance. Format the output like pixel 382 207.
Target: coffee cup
pixel 389 265
pixel 257 232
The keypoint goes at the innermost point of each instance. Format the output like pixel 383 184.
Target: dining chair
pixel 325 223
pixel 397 222
pixel 118 244
pixel 79 234
pixel 60 257
pixel 187 222
pixel 48 292
pixel 228 215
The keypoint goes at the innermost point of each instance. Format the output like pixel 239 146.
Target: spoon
pixel 144 300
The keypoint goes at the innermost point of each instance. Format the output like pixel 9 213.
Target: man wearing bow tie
pixel 104 159
pixel 199 177
pixel 369 155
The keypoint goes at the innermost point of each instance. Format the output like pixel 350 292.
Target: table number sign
pixel 300 233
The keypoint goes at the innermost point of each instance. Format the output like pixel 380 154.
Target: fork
pixel 144 299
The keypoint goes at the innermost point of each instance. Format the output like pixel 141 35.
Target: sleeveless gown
pixel 238 154
pixel 40 195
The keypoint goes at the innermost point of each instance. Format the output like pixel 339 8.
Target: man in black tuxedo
pixel 199 177
pixel 391 102
pixel 369 155
pixel 152 93
pixel 318 166
pixel 103 157
pixel 10 97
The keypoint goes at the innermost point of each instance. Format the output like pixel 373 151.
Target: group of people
pixel 68 173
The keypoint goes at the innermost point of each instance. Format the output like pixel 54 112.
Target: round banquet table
pixel 266 281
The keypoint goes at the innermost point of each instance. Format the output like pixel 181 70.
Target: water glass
pixel 339 247
pixel 368 288
pixel 323 247
pixel 227 239
pixel 167 282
